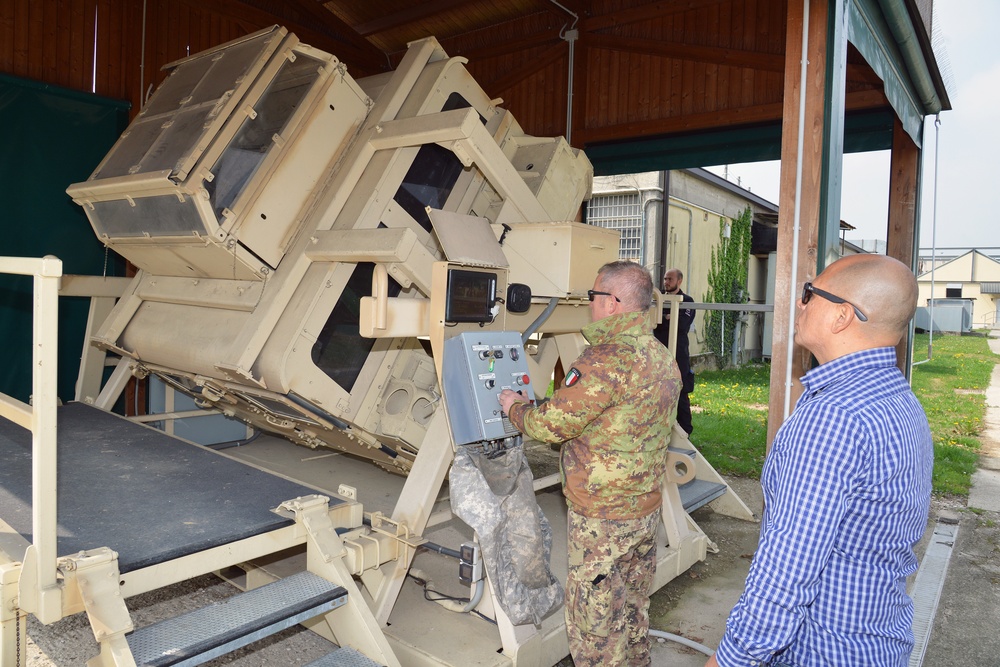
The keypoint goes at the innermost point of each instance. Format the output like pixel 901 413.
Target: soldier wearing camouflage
pixel 614 414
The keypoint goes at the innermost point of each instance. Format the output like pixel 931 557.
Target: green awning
pixel 863 132
pixel 885 35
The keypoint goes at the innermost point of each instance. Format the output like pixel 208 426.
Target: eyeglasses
pixel 592 293
pixel 808 290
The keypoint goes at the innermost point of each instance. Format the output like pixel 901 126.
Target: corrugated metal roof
pixel 989 288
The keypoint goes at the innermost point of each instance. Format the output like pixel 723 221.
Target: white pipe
pixel 798 210
pixel 681 640
pixel 477 596
pixel 645 205
pixel 570 36
pixel 142 61
pixel 93 70
pixel 937 152
pixel 930 313
pixel 690 213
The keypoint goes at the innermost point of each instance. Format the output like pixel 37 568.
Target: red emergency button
pixel 524 379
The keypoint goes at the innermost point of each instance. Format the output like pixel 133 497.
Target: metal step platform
pixel 344 657
pixel 225 626
pixel 697 492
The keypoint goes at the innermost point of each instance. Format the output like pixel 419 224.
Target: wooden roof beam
pixel 644 13
pixel 364 60
pixel 860 73
pixel 708 54
pixel 415 12
pixel 536 64
pixel 679 124
pixel 329 23
pixel 545 38
pixel 763 113
pixel 582 8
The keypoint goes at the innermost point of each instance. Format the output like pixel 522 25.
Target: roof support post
pixel 814 202
pixel 904 216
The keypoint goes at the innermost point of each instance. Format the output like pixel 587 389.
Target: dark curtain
pixel 50 137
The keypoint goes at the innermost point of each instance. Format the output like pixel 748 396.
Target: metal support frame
pixel 93 576
pixel 356 626
pixel 115 385
pixel 414 509
pixel 40 594
pixel 13 621
pixel 103 292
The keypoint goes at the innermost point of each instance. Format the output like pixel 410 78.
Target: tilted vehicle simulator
pixel 358 266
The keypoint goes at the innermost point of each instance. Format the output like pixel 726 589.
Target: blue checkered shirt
pixel 846 490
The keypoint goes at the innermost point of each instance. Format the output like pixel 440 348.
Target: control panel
pixel 476 367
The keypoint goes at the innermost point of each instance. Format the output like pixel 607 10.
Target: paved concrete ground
pixel 965 630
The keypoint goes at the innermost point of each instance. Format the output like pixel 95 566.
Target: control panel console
pixel 476 367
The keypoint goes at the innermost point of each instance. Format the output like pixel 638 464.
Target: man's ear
pixel 845 316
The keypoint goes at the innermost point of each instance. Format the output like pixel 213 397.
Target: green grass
pixel 729 414
pixel 730 410
pixel 950 387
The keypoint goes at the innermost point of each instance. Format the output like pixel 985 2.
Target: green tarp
pixel 49 138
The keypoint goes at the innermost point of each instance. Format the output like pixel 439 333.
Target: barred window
pixel 624 213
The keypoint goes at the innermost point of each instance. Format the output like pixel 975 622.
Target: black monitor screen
pixel 471 295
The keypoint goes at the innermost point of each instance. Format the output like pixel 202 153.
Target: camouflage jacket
pixel 614 413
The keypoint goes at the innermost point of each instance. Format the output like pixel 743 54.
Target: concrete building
pixel 700 204
pixel 683 234
pixel 965 289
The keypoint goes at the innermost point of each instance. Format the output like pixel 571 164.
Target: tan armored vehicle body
pixel 258 190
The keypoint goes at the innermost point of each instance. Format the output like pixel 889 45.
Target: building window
pixel 624 213
pixel 953 291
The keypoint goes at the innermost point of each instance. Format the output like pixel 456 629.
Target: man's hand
pixel 508 398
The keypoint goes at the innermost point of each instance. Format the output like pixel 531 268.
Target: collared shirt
pixel 847 490
pixel 614 413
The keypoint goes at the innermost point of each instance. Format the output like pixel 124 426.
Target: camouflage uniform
pixel 614 415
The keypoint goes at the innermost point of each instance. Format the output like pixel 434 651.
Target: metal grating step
pixel 344 657
pixel 690 453
pixel 927 587
pixel 699 492
pixel 242 619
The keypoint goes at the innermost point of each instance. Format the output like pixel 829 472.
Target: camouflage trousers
pixel 611 566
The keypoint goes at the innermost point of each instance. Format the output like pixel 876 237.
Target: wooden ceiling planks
pixel 642 67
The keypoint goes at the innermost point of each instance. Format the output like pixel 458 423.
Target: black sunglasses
pixel 592 293
pixel 808 290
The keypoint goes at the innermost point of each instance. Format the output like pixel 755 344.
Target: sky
pixel 968 159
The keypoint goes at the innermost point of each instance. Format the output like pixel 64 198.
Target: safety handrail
pixel 40 418
pixel 991 319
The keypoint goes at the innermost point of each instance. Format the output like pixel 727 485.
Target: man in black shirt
pixel 672 280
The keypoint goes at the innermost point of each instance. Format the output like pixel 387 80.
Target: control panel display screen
pixel 471 295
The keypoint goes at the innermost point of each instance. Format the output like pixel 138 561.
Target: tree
pixel 727 283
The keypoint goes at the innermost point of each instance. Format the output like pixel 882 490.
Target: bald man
pixel 846 487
